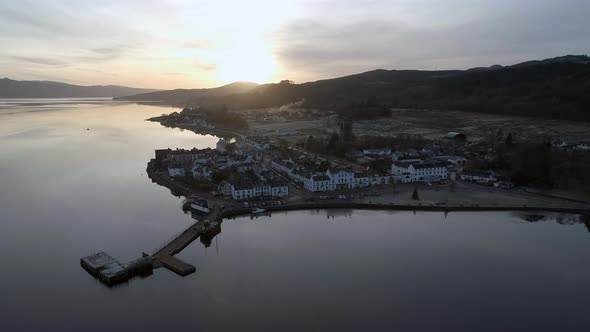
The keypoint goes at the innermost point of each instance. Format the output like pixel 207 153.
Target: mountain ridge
pixel 180 96
pixel 10 88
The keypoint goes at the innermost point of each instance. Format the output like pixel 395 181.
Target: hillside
pixel 553 88
pixel 47 89
pixel 182 96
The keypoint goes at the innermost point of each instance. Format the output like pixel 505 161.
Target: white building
pixel 200 171
pixel 317 183
pixel 361 180
pixel 416 172
pixel 176 171
pixel 225 188
pixel 279 189
pixel 377 152
pixel 243 191
pixel 190 156
pixel 257 142
pixel 478 176
pixel 455 160
pixel 341 178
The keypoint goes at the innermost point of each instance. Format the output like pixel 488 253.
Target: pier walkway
pixel 164 256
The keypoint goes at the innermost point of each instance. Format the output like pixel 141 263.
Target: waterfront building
pixel 175 170
pixel 478 176
pixel 408 172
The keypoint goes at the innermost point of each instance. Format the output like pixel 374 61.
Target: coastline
pixel 181 190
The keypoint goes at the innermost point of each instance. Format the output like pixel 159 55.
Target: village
pixel 293 155
pixel 254 168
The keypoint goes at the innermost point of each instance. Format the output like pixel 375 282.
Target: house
pixel 342 178
pixel 203 156
pixel 245 167
pixel 378 180
pixel 318 183
pixel 478 176
pixel 407 159
pixel 279 188
pixel 241 191
pixel 175 170
pixel 221 146
pixel 250 185
pixel 377 152
pixel 225 188
pixel 161 154
pixel 454 160
pixel 260 143
pixel 429 171
pixel 200 171
pixel 361 180
pixel 282 166
pixel 261 189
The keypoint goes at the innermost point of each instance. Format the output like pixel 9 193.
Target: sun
pixel 247 59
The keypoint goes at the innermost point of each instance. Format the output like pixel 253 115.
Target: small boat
pixel 257 210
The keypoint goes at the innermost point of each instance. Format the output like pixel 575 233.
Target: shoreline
pixel 181 190
pixel 384 207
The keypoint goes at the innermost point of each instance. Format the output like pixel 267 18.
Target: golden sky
pixel 192 44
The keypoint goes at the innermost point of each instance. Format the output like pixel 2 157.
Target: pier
pixel 165 256
pixel 110 272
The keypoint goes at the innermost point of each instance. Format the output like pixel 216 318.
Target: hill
pixel 183 96
pixel 552 88
pixel 47 89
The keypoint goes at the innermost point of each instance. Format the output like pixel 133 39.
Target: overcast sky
pixel 191 44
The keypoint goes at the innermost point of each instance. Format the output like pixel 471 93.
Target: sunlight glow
pixel 247 58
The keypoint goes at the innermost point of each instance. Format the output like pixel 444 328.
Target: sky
pixel 197 44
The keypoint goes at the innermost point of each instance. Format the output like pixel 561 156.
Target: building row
pixel 329 180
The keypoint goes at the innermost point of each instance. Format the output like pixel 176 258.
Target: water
pixel 66 192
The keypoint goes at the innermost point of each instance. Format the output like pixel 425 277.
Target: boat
pixel 257 210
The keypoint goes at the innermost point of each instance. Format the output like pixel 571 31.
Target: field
pixel 477 126
pixel 435 125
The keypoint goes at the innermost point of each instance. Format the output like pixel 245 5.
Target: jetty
pixel 109 271
pixel 210 226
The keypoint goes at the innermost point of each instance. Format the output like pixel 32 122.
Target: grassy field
pixel 477 126
pixel 436 124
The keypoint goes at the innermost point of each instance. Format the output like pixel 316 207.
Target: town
pixel 256 171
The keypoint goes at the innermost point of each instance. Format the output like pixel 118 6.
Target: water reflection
pixel 66 192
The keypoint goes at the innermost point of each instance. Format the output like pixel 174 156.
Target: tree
pixel 381 166
pixel 324 166
pixel 333 141
pixel 283 143
pixel 508 141
pixel 415 194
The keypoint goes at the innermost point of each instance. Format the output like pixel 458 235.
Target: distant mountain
pixel 551 88
pixel 47 89
pixel 183 96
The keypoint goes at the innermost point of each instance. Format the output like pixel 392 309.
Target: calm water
pixel 66 192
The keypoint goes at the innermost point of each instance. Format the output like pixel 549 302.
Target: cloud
pixel 209 66
pixel 40 61
pixel 318 48
pixel 309 39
